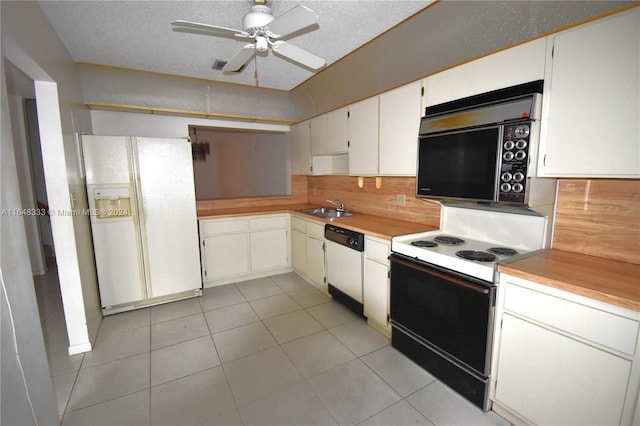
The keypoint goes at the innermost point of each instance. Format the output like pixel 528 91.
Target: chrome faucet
pixel 340 205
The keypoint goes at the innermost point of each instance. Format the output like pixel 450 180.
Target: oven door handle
pixel 447 277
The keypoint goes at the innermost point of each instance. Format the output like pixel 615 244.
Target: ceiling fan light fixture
pixel 259 17
pixel 261 44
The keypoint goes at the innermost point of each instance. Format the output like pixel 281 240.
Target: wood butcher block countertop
pixel 603 279
pixel 376 226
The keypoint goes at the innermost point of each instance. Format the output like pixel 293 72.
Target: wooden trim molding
pixel 180 112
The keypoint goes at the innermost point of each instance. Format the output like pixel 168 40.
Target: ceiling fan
pixel 264 31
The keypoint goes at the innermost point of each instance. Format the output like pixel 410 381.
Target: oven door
pixel 449 313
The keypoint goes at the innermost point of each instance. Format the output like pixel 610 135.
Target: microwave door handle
pixel 447 277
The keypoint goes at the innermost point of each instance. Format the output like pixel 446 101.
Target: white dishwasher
pixel 344 256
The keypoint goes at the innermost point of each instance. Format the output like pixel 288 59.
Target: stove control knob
pixel 521 144
pixel 508 156
pixel 508 145
pixel 518 176
pixel 522 131
pixel 517 187
pixel 505 187
pixel 506 176
pixel 521 155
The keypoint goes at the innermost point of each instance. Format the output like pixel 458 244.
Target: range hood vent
pixel 498 106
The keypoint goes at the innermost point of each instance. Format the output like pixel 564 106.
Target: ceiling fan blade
pixel 291 21
pixel 298 55
pixel 213 29
pixel 240 59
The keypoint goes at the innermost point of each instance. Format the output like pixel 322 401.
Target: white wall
pixel 137 88
pixel 243 164
pixel 27 391
pixel 30 43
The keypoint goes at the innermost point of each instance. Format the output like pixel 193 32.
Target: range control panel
pixel 514 162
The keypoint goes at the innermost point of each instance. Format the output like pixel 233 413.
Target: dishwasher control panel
pixel 345 237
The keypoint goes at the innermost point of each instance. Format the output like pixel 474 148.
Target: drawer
pixel 376 249
pixel 215 227
pixel 592 324
pixel 298 224
pixel 315 229
pixel 268 222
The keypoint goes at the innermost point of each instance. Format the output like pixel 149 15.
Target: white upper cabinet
pixel 363 138
pixel 400 113
pixel 591 106
pixel 517 65
pixel 300 136
pixel 318 136
pixel 338 131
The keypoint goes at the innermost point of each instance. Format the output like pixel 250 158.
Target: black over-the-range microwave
pixel 478 148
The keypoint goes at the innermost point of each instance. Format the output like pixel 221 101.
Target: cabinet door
pixel 549 378
pixel 269 249
pixel 376 291
pixel 315 262
pixel 299 252
pixel 363 138
pixel 591 106
pixel 318 135
pixel 399 124
pixel 225 256
pixel 301 148
pixel 338 131
pixel 517 65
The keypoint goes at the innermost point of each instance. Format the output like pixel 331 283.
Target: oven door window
pixel 459 164
pixel 445 311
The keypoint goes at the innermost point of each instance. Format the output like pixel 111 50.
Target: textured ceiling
pixel 137 34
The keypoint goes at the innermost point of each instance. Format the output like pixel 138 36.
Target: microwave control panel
pixel 514 161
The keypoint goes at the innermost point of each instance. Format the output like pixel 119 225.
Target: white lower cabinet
pixel 307 250
pixel 560 358
pixel 224 256
pixel 376 283
pixel 269 249
pixel 244 248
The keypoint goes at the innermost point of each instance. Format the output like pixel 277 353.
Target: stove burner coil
pixel 480 256
pixel 423 243
pixel 502 251
pixel 449 241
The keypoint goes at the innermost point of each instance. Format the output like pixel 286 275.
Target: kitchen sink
pixel 326 212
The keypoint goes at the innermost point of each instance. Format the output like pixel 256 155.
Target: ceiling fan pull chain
pixel 255 69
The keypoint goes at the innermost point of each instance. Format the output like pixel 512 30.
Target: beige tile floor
pixel 271 351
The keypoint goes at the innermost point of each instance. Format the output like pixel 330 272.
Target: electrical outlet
pixel 313 191
pixel 401 199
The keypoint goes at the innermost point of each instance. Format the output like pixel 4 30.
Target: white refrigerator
pixel 143 220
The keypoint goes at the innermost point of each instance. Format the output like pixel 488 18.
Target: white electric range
pixel 472 241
